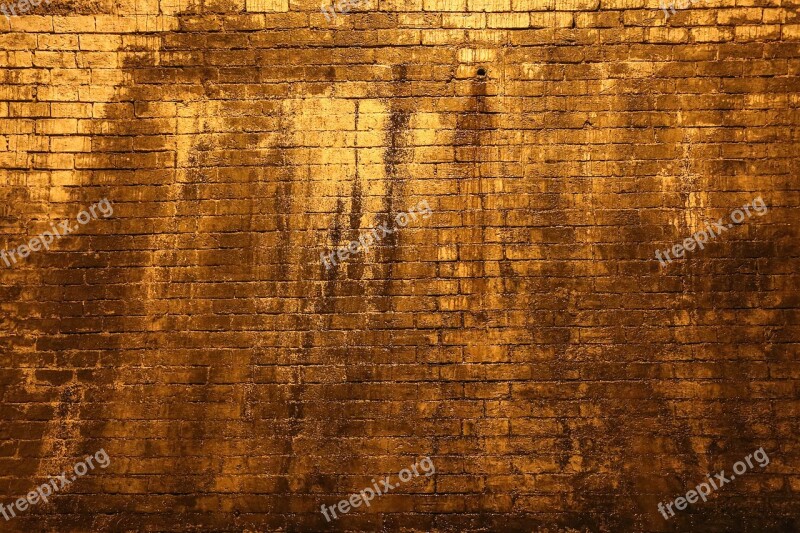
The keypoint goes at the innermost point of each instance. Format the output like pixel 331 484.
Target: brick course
pixel 524 337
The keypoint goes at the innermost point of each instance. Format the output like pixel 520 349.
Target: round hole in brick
pixel 481 72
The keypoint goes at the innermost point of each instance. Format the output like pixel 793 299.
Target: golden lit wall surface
pixel 399 266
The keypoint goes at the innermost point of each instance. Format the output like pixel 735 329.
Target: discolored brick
pixel 524 337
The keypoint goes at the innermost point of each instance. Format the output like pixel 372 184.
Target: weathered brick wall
pixel 524 336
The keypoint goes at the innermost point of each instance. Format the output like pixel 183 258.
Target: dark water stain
pixel 473 131
pixel 187 437
pixel 327 303
pixel 69 340
pixel 394 155
pixel 283 202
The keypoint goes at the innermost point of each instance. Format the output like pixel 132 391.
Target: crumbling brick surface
pixel 523 336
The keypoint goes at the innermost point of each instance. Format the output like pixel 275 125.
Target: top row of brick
pixel 189 7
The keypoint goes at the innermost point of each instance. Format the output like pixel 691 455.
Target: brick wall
pixel 524 337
